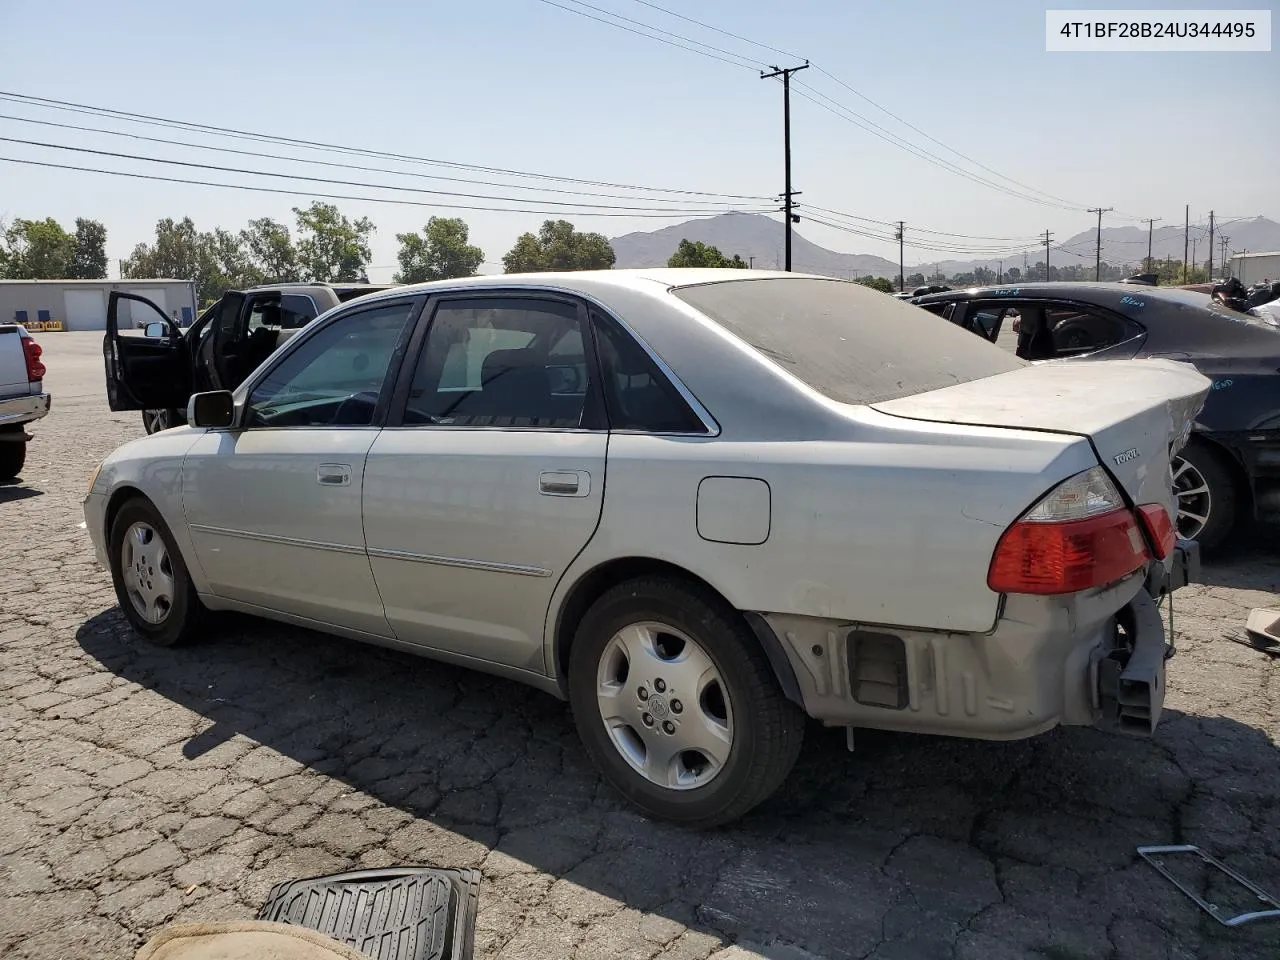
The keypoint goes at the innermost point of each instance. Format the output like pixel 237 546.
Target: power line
pixel 191 164
pixel 844 113
pixel 670 214
pixel 150 120
pixel 345 166
pixel 646 26
pixel 890 223
pixel 857 93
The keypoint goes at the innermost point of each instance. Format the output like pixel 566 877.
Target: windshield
pixel 847 341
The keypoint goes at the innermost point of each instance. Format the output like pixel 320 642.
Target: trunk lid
pixel 1136 413
pixel 13 362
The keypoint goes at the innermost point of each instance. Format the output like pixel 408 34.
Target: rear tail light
pixel 33 351
pixel 1078 537
pixel 1159 528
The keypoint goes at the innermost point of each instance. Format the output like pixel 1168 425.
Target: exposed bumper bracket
pixel 1130 676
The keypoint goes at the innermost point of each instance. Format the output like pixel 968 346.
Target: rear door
pixel 489 478
pixel 144 373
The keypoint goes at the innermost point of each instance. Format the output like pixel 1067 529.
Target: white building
pixel 82 304
pixel 1256 267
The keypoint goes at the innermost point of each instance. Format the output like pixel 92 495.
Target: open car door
pixel 148 366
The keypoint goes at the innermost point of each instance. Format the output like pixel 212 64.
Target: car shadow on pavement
pixel 912 846
pixel 12 491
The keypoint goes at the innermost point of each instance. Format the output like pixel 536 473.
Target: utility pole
pixel 1194 244
pixel 1097 270
pixel 1186 241
pixel 1210 277
pixel 787 193
pixel 1151 264
pixel 1000 272
pixel 1223 239
pixel 901 261
pixel 1047 235
pixel 751 263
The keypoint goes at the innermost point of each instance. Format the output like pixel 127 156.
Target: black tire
pixel 13 455
pixel 767 728
pixel 153 421
pixel 184 618
pixel 1223 497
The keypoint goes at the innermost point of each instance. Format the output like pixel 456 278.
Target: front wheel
pixel 676 704
pixel 1206 495
pixel 152 584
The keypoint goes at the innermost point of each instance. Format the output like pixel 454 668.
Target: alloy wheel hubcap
pixel 665 706
pixel 1194 499
pixel 147 572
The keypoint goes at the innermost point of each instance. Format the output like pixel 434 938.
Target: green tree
pixel 692 253
pixel 214 261
pixel 89 258
pixel 270 251
pixel 331 247
pixel 876 283
pixel 37 250
pixel 558 246
pixel 915 280
pixel 439 252
pixel 1013 275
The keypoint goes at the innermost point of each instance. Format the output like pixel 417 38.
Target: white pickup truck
pixel 22 396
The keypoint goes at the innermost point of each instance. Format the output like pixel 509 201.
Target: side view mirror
pixel 214 409
pixel 156 330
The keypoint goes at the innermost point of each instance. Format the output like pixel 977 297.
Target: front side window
pixel 336 376
pixel 502 362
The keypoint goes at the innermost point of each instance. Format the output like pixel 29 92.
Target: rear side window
pixel 849 342
pixel 637 394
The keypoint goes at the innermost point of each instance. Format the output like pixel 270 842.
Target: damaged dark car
pixel 1229 471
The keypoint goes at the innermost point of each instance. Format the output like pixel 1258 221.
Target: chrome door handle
pixel 564 483
pixel 333 474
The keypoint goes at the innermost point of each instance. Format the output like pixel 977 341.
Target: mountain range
pixel 758 237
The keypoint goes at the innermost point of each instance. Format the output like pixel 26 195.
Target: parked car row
pixel 640 492
pixel 1229 472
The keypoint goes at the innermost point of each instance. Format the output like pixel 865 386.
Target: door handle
pixel 564 483
pixel 333 474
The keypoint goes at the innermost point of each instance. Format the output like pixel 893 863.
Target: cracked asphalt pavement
pixel 142 786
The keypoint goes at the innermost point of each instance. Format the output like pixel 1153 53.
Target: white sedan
pixel 699 505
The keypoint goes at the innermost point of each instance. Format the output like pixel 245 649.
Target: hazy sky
pixel 521 84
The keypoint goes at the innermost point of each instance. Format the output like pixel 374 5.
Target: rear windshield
pixel 849 342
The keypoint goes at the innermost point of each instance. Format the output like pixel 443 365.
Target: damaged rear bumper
pixel 1128 680
pixel 1093 659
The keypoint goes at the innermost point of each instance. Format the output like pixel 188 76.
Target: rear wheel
pixel 1206 495
pixel 677 705
pixel 152 584
pixel 13 452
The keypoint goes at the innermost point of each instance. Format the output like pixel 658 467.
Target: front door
pixel 148 364
pixel 489 478
pixel 273 505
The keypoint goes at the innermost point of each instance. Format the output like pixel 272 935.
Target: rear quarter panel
pixel 896 527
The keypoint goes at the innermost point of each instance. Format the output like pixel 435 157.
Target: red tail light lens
pixel 33 351
pixel 1159 528
pixel 1078 537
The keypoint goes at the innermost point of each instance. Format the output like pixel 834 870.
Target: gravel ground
pixel 141 786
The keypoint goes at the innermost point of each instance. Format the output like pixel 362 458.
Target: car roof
pixel 1041 289
pixel 640 279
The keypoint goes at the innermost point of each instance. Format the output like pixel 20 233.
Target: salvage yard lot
pixel 140 786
